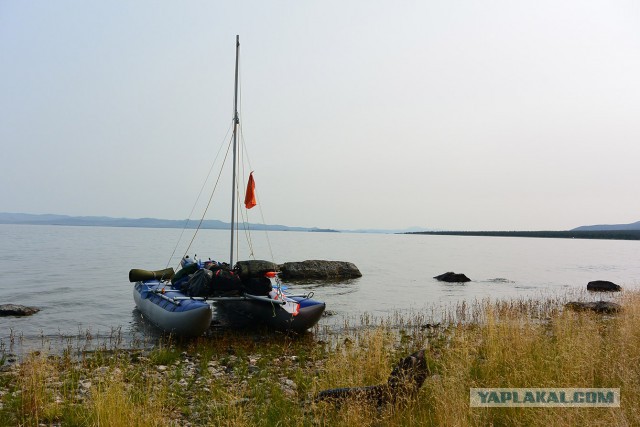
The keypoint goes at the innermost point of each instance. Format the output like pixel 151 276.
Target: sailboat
pixel 181 302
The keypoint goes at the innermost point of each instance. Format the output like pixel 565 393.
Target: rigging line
pixel 246 225
pixel 246 153
pixel 243 153
pixel 186 223
pixel 210 197
pixel 238 210
pixel 241 212
pixel 266 232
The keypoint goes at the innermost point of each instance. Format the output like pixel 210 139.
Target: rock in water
pixel 605 307
pixel 452 277
pixel 17 310
pixel 319 269
pixel 603 286
pixel 404 382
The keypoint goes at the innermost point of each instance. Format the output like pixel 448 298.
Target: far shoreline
pixel 569 234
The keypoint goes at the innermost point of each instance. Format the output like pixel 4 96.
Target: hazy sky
pixel 466 115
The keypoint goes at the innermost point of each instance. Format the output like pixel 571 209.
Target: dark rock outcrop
pixel 605 307
pixel 404 382
pixel 319 269
pixel 17 310
pixel 603 286
pixel 452 277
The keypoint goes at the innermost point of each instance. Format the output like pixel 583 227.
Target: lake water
pixel 78 276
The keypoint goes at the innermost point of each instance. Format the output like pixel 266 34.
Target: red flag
pixel 250 195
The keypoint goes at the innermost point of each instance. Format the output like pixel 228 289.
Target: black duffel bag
pixel 224 280
pixel 199 284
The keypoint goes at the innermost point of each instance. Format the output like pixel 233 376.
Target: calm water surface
pixel 77 276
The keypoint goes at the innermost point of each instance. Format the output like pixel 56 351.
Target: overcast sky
pixel 465 115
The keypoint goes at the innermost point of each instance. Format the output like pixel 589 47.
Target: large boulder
pixel 319 269
pixel 605 307
pixel 17 310
pixel 254 268
pixel 603 286
pixel 452 277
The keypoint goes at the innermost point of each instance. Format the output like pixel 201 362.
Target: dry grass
pixel 37 400
pixel 242 380
pixel 114 401
pixel 568 349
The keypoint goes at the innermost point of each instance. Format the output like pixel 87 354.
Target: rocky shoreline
pixel 246 379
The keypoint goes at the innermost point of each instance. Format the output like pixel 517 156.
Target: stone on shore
pixel 319 269
pixel 603 286
pixel 605 307
pixel 17 310
pixel 452 277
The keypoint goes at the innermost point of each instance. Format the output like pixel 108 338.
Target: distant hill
pixel 609 227
pixel 103 221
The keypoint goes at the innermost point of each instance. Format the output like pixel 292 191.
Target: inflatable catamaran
pixel 180 302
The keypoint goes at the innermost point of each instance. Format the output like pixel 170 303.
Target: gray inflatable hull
pixel 189 318
pixel 275 317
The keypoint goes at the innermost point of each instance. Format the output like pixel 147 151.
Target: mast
pixel 236 122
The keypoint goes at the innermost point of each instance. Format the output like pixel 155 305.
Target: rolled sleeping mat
pixel 185 271
pixel 139 275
